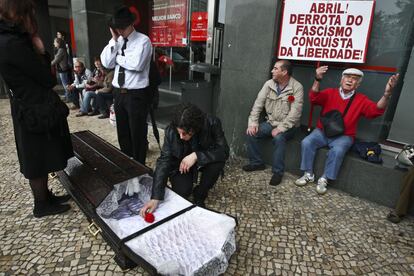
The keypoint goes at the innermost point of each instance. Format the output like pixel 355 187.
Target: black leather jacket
pixel 209 144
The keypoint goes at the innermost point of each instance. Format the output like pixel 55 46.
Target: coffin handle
pixel 94 229
pixel 53 175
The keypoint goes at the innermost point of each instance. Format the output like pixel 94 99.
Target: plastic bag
pixel 406 156
pixel 112 117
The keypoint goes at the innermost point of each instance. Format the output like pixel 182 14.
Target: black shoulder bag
pixel 41 117
pixel 333 121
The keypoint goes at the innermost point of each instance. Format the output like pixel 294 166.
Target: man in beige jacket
pixel 282 99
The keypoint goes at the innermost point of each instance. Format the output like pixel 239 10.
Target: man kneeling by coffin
pixel 194 141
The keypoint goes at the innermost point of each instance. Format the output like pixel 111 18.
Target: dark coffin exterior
pixel 90 177
pixel 89 181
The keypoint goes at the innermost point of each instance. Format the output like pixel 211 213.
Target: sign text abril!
pixel 325 30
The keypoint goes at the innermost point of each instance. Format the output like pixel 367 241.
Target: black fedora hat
pixel 121 18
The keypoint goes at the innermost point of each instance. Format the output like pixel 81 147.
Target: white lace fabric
pixel 198 242
pixel 171 204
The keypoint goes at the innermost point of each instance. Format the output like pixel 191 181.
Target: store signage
pixel 199 26
pixel 168 23
pixel 325 30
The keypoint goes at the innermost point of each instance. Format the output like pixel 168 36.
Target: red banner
pixel 199 26
pixel 168 23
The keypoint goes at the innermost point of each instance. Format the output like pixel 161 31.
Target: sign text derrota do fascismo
pixel 323 30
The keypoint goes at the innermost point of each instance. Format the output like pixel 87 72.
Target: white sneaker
pixel 306 178
pixel 321 187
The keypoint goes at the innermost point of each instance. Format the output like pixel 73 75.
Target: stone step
pixel 378 183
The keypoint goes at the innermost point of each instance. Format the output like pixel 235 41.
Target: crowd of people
pixel 194 141
pixel 86 91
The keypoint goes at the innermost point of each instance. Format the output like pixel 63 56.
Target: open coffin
pixel 110 188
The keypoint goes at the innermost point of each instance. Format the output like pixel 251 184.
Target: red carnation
pixel 291 98
pixel 149 217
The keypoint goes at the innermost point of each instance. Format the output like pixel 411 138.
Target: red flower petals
pixel 291 98
pixel 149 217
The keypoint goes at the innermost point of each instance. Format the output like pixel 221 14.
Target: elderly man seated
pixel 341 99
pixel 81 76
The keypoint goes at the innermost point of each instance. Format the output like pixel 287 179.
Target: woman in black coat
pixel 27 72
pixel 194 141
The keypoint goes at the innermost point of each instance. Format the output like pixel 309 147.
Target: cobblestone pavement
pixel 283 230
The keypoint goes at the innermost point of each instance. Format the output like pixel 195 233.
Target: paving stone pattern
pixel 283 230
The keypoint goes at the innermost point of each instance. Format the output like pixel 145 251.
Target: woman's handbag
pixel 333 122
pixel 41 117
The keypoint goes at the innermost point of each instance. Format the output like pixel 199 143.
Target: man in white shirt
pixel 129 52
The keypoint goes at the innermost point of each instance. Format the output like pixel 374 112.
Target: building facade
pixel 242 38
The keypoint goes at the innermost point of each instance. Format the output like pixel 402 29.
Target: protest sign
pixel 168 24
pixel 199 22
pixel 324 30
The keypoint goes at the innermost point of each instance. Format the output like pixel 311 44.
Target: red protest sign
pixel 325 30
pixel 168 23
pixel 199 26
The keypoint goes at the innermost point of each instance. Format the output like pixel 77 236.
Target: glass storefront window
pixel 174 60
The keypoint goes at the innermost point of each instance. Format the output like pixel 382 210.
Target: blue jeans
pixel 279 142
pixel 65 80
pixel 86 102
pixel 338 147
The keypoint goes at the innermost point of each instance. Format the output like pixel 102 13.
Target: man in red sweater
pixel 331 99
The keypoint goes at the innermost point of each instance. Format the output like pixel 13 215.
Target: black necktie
pixel 121 72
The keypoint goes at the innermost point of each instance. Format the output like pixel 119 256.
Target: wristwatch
pixel 319 80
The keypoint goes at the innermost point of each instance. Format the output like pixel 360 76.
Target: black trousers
pixel 131 110
pixel 74 96
pixel 101 102
pixel 182 184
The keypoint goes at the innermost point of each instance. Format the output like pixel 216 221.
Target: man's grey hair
pixel 286 65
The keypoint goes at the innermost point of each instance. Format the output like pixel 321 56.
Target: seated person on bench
pixel 89 106
pixel 104 95
pixel 194 141
pixel 337 99
pixel 81 76
pixel 282 99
